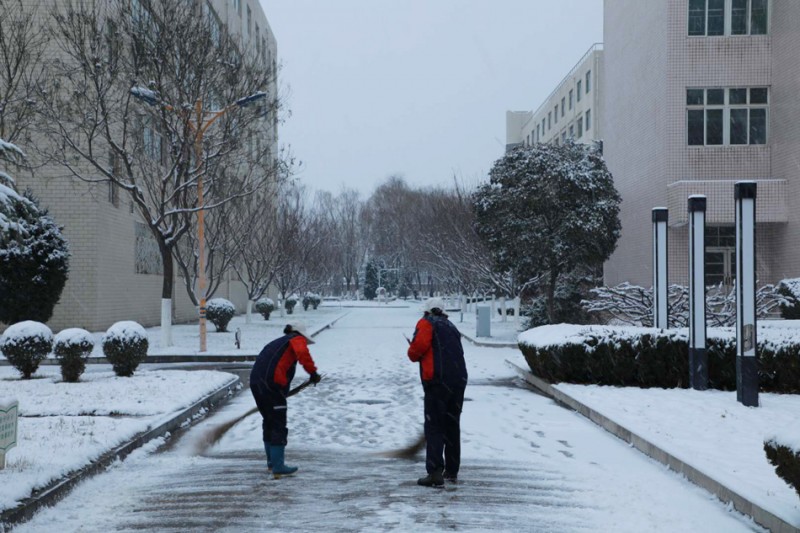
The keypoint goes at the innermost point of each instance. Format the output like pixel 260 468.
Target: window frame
pixel 727 109
pixel 727 19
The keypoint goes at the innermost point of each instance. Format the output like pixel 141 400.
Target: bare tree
pixel 172 54
pixel 22 46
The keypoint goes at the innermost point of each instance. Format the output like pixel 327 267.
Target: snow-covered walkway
pixel 528 465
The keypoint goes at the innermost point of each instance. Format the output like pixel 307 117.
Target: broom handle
pixel 290 393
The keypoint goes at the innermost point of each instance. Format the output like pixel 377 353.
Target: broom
pixel 216 433
pixel 410 451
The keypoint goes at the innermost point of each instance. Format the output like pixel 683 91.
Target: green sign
pixel 8 426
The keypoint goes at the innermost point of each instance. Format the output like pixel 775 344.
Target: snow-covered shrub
pixel 220 311
pixel 125 346
pixel 289 304
pixel 265 306
pixel 311 299
pixel 25 345
pixel 72 348
pixel 34 256
pixel 790 290
pixel 783 453
pixel 643 357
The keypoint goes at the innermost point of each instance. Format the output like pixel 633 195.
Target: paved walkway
pixel 528 464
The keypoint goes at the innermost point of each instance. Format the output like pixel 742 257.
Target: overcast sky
pixel 417 88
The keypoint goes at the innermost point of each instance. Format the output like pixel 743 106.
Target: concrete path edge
pixel 58 489
pixel 725 494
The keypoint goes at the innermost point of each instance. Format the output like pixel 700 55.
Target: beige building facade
pixel 699 94
pixel 572 111
pixel 115 267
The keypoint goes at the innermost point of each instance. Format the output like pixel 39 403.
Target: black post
pixel 698 358
pixel 746 346
pixel 660 283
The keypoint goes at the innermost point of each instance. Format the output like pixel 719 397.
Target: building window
pixel 537 132
pixel 564 136
pixel 580 127
pixel 542 125
pixel 588 81
pixel 237 5
pixel 571 131
pixel 731 17
pixel 549 123
pixel 588 119
pixel 579 90
pixel 151 140
pixel 555 114
pixel 570 99
pixel 734 116
pixel 563 105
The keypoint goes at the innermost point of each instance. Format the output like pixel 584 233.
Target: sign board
pixel 8 429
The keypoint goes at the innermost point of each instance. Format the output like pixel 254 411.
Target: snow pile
pixel 220 305
pixel 73 337
pixel 20 332
pixel 126 331
pixel 788 437
pixel 7 400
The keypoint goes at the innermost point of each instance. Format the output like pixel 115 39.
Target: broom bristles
pixel 212 437
pixel 409 452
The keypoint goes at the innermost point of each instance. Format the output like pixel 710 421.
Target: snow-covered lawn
pixel 64 426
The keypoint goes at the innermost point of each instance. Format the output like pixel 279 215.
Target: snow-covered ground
pixel 64 426
pixel 528 464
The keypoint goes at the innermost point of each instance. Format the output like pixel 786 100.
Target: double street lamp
pixel 199 122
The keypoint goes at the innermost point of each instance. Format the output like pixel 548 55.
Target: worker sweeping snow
pixel 270 380
pixel 436 346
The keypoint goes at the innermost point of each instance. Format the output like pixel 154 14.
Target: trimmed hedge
pixel 265 307
pixel 786 462
pixel 25 345
pixel 125 345
pixel 220 312
pixel 649 360
pixel 72 348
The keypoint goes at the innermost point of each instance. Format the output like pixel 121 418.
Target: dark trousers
pixel 443 406
pixel 271 402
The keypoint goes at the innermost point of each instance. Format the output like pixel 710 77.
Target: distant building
pixel 573 110
pixel 115 269
pixel 699 94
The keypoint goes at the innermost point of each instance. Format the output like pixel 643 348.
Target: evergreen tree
pixel 370 281
pixel 548 211
pixel 34 255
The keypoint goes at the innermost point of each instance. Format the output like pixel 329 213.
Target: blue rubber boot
pixel 279 469
pixel 269 456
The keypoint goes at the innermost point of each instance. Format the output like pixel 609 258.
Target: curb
pixel 726 495
pixel 193 358
pixel 487 344
pixel 59 488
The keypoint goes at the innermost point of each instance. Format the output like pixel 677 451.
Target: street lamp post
pixel 202 121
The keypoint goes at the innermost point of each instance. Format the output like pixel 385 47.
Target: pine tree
pixel 370 281
pixel 34 255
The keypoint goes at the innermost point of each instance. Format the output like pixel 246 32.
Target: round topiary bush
pixel 306 302
pixel 220 311
pixel 289 304
pixel 72 348
pixel 265 306
pixel 316 299
pixel 125 346
pixel 25 345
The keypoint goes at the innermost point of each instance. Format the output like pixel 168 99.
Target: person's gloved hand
pixel 315 378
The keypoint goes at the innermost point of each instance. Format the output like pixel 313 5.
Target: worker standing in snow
pixel 269 382
pixel 436 346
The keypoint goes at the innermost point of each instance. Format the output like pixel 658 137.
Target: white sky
pixel 417 87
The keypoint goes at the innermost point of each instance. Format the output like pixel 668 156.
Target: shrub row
pixel 649 360
pixel 26 344
pixel 786 462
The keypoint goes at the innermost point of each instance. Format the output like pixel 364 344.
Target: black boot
pixel 434 479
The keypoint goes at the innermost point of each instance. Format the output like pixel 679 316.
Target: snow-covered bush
pixel 265 306
pixel 790 290
pixel 125 346
pixel 289 304
pixel 25 345
pixel 311 299
pixel 643 357
pixel 34 256
pixel 784 454
pixel 632 304
pixel 220 311
pixel 72 348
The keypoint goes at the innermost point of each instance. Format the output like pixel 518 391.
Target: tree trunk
pixel 166 293
pixel 249 317
pixel 551 297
